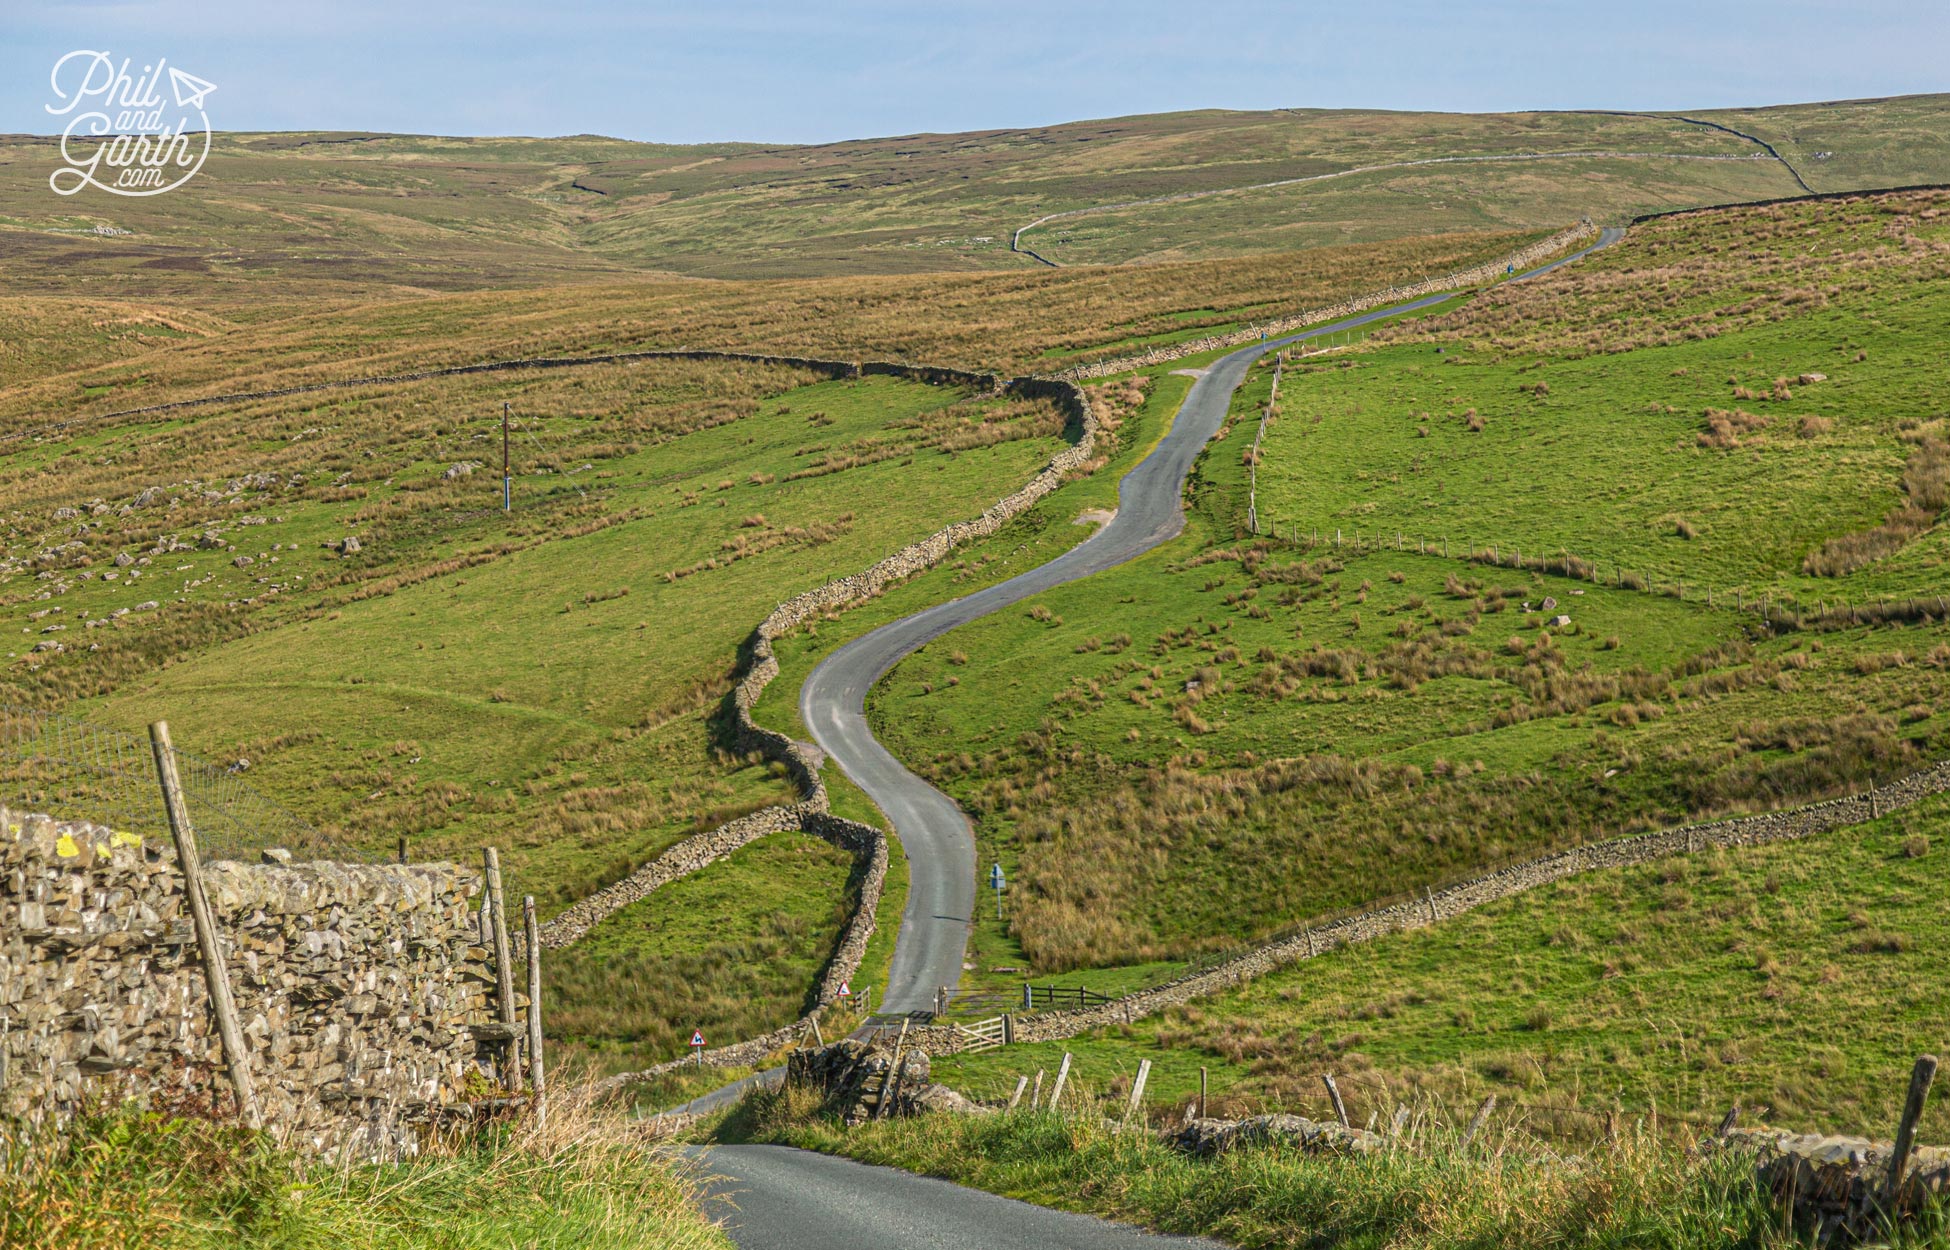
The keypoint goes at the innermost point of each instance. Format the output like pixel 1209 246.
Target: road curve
pixel 939 842
pixel 786 1199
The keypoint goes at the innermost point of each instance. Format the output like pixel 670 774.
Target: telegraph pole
pixel 507 479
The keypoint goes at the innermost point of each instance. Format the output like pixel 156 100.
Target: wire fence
pixel 72 770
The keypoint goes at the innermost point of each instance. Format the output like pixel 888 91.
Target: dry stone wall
pixel 1838 1186
pixel 801 760
pixel 356 984
pixel 1486 272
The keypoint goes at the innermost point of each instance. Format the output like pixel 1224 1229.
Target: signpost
pixel 697 1045
pixel 996 883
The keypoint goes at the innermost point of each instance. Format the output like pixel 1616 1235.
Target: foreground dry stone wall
pixel 356 985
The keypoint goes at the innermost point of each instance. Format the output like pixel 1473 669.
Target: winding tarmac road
pixel 939 842
pixel 786 1199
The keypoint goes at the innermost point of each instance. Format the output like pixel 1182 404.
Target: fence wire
pixel 72 770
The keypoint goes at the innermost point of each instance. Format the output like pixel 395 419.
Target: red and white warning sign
pixel 846 990
pixel 697 1037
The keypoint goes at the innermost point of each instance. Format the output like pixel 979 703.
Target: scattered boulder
pixel 243 562
pixel 1204 1138
pixel 1559 621
pixel 349 545
pixel 463 469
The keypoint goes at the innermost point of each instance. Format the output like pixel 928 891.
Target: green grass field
pixel 732 951
pixel 548 681
pixel 1679 431
pixel 1227 736
pixel 1796 980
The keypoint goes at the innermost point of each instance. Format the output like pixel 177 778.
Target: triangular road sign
pixel 190 89
pixel 846 990
pixel 697 1037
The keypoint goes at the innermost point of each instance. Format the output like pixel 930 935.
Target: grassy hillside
pixel 1796 980
pixel 546 681
pixel 543 679
pixel 1844 144
pixel 358 215
pixel 1714 401
pixel 1019 322
pixel 1229 735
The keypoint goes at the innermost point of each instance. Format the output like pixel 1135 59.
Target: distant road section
pixel 933 831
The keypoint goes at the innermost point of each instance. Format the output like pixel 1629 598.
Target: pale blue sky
pixel 777 71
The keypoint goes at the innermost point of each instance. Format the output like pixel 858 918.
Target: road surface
pixel 939 843
pixel 778 1198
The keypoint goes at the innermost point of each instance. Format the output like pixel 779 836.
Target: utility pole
pixel 507 479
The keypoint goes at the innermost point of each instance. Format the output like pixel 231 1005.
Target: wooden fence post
pixel 1062 1077
pixel 1137 1088
pixel 1036 1094
pixel 235 1055
pixel 1022 1083
pixel 1919 1089
pixel 892 1084
pixel 1334 1093
pixel 534 936
pixel 1477 1121
pixel 504 972
pixel 1201 1091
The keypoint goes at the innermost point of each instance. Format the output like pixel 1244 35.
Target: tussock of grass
pixel 150 1179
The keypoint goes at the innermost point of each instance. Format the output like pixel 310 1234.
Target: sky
pixel 772 71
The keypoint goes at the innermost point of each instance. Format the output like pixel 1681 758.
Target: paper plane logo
pixel 122 135
pixel 190 89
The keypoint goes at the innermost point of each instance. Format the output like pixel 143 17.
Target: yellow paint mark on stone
pixel 65 847
pixel 120 838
